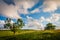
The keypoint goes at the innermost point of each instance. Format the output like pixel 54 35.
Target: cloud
pixel 13 11
pixel 39 23
pixel 9 2
pixel 35 11
pixel 2 23
pixel 54 18
pixel 25 5
pixel 39 3
pixel 45 5
pixel 51 5
pixel 8 10
pixel 33 24
pixel 42 19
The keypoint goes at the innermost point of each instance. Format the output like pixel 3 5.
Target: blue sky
pixel 35 13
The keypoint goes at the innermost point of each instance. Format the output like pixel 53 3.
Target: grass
pixel 30 35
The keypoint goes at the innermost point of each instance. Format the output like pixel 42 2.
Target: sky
pixel 35 13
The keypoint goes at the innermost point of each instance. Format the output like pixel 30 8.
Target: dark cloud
pixel 9 2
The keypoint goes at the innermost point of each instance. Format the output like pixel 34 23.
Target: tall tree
pixel 50 26
pixel 17 25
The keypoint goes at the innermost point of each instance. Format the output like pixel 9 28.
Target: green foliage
pixel 50 26
pixel 8 20
pixel 7 23
pixel 15 26
pixel 20 23
pixel 14 29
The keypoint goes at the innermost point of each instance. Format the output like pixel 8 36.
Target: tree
pixel 14 29
pixel 50 26
pixel 20 23
pixel 17 25
pixel 8 23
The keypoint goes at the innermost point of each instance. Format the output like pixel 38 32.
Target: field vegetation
pixel 30 35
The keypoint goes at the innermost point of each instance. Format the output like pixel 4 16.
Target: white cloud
pixel 11 10
pixel 35 11
pixel 2 23
pixel 51 5
pixel 39 23
pixel 8 10
pixel 42 19
pixel 33 23
pixel 48 6
pixel 12 22
pixel 54 18
pixel 24 5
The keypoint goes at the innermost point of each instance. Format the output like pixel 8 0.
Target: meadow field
pixel 30 35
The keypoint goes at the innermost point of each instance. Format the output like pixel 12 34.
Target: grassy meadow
pixel 30 35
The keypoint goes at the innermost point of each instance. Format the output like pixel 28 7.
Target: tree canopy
pixel 50 26
pixel 14 26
